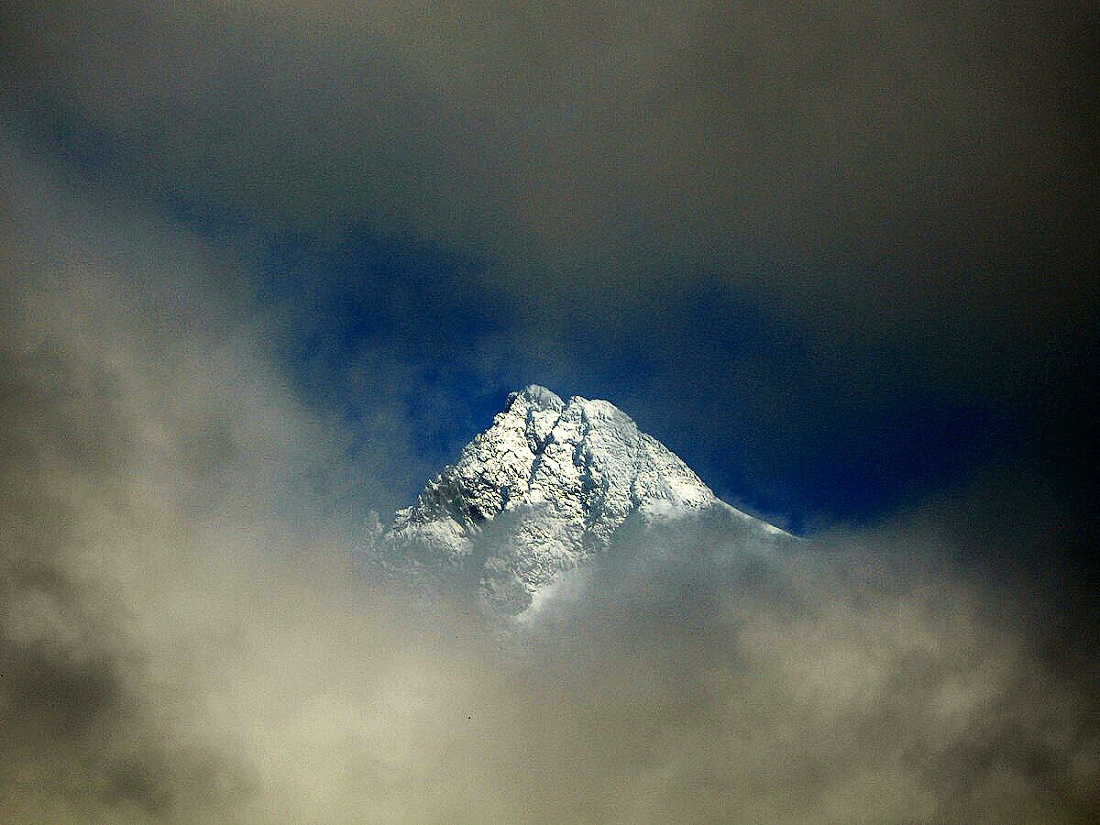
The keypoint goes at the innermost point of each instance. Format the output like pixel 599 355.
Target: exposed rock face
pixel 548 484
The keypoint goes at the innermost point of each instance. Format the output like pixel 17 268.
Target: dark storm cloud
pixel 932 166
pixel 901 198
pixel 296 114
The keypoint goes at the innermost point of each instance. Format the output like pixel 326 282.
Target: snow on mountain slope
pixel 548 484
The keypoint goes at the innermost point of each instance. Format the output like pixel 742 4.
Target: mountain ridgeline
pixel 548 485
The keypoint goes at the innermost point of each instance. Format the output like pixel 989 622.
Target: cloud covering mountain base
pixel 184 638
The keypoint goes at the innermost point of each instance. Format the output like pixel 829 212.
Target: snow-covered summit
pixel 547 484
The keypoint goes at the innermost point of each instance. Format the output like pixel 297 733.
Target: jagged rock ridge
pixel 546 485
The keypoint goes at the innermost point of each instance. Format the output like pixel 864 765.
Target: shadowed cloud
pixel 805 238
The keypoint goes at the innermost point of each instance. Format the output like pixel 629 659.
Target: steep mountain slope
pixel 548 484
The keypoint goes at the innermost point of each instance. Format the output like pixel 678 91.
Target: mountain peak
pixel 534 397
pixel 547 484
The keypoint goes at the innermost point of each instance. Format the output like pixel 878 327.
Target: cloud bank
pixel 865 170
pixel 183 636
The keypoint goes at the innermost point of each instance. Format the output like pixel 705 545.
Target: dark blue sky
pixel 682 374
